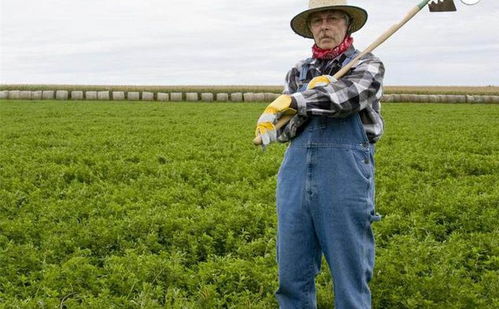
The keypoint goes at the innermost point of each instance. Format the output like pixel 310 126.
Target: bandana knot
pixel 319 53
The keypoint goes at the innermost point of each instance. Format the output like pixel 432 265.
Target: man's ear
pixel 349 29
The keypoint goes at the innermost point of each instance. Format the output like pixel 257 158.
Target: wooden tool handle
pixel 285 119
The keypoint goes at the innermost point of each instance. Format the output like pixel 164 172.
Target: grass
pixel 153 205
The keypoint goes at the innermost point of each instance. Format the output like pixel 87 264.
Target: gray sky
pixel 227 42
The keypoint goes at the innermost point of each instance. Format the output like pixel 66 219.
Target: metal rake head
pixel 442 6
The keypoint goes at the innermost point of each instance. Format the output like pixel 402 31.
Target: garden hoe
pixel 434 6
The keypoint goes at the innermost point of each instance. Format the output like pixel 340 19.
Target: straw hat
pixel 299 22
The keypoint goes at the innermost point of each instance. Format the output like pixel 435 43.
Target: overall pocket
pixel 363 162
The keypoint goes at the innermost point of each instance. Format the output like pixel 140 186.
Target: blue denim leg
pixel 298 251
pixel 325 204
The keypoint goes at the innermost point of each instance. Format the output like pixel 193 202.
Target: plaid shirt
pixel 358 91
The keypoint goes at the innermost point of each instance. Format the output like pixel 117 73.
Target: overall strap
pixel 349 58
pixel 341 62
pixel 303 74
pixel 304 69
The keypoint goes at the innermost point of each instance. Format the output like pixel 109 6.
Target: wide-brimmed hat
pixel 357 14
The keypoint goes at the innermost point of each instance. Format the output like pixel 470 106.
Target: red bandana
pixel 319 53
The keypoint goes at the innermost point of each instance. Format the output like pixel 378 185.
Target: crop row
pixel 219 97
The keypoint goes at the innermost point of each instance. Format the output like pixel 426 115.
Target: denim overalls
pixel 325 205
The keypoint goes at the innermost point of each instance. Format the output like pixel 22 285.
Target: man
pixel 325 186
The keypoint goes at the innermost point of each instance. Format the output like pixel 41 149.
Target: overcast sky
pixel 227 42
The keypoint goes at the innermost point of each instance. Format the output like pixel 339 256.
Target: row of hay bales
pixel 219 97
pixel 136 96
pixel 440 98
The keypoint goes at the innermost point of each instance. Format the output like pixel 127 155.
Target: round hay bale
pixel 249 97
pixel 61 95
pixel 441 98
pixel 486 98
pixel 222 97
pixel 387 98
pixel 413 98
pixel 269 97
pixel 259 97
pixel 236 97
pixel 91 95
pixel 76 95
pixel 403 97
pixel 14 94
pixel 453 98
pixel 420 98
pixel 118 95
pixel 103 95
pixel 4 94
pixel 478 99
pixel 163 96
pixel 147 96
pixel 396 97
pixel 494 99
pixel 48 94
pixel 36 95
pixel 450 98
pixel 25 95
pixel 470 98
pixel 432 98
pixel 460 98
pixel 191 96
pixel 423 98
pixel 176 96
pixel 207 97
pixel 133 96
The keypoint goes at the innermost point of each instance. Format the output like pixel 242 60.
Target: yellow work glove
pixel 265 126
pixel 319 81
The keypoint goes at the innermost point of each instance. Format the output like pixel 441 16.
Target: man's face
pixel 328 28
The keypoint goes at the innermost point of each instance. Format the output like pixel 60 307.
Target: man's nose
pixel 324 24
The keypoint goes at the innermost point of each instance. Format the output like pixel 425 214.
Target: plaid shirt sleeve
pixel 292 83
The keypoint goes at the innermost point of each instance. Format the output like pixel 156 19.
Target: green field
pixel 168 205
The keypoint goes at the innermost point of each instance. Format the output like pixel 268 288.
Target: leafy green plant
pixel 168 205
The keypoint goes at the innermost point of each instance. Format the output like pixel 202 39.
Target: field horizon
pixel 388 89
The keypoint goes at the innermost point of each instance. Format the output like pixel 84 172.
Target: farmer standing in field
pixel 325 187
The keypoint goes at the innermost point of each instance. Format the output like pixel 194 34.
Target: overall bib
pixel 325 205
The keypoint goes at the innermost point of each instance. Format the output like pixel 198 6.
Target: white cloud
pixel 228 42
